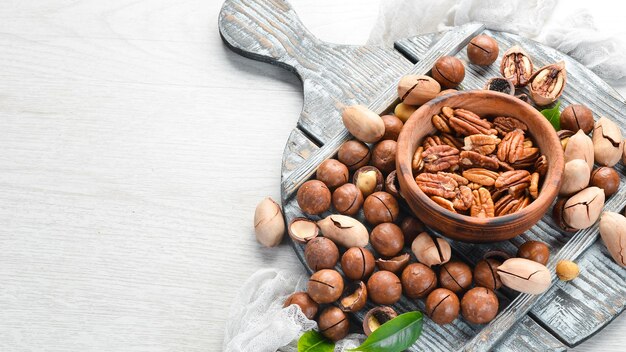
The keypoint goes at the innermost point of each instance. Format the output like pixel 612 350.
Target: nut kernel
pixel 567 270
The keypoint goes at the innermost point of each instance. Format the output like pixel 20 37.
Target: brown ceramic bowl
pixel 463 227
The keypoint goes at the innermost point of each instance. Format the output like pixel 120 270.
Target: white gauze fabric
pixel 577 36
pixel 258 322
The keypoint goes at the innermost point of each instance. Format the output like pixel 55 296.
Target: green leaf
pixel 553 115
pixel 396 335
pixel 313 341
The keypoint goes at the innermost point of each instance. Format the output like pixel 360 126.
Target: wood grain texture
pixel 127 197
pixel 269 30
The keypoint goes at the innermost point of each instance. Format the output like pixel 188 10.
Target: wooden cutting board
pixel 337 75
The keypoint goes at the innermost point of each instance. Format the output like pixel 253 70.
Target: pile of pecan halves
pixel 479 167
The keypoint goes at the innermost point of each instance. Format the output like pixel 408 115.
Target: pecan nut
pixel 463 199
pixel 509 204
pixel 529 158
pixel 417 163
pixel 444 203
pixel 469 159
pixel 441 123
pixel 474 186
pixel 505 124
pixel 482 204
pixel 512 146
pixel 440 157
pixel 484 144
pixel 506 205
pixel 516 66
pixel 467 123
pixel 607 142
pixel 451 141
pixel 541 165
pixel 437 185
pixel 481 176
pixel 514 181
pixel 547 84
pixel 533 189
pixel 462 181
pixel 432 141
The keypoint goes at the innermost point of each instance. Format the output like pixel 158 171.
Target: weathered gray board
pixel 337 75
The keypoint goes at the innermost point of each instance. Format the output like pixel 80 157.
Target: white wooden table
pixel 134 148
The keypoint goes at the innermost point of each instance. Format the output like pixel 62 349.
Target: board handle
pixel 266 30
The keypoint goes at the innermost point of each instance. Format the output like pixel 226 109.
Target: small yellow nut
pixel 404 111
pixel 567 270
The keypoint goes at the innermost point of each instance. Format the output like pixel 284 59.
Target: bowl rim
pixel 545 198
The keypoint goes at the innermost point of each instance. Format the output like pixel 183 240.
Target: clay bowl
pixel 463 227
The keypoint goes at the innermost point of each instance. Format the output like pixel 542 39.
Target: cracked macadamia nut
pixel 313 197
pixel 368 180
pixel 303 300
pixel 393 126
pixel 417 89
pixel 376 317
pixel 325 286
pixel 333 173
pixel 486 275
pixel 392 184
pixel 479 305
pixel 347 199
pixel 321 253
pixel 333 323
pixel 384 156
pixel 535 251
pixel 357 263
pixel 380 207
pixel 387 239
pixel 384 287
pixel 354 297
pixel 394 264
pixel 606 178
pixel 354 154
pixel 430 250
pixel 303 230
pixel 448 71
pixel 442 306
pixel 577 117
pixel 455 276
pixel 418 280
pixel 482 50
